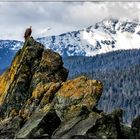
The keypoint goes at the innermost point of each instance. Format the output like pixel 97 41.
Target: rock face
pixel 40 123
pixel 36 101
pixel 31 66
pixel 10 126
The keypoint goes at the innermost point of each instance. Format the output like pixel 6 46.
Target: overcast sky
pixel 58 17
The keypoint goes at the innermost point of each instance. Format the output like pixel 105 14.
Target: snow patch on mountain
pixel 10 44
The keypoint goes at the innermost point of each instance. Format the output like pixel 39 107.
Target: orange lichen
pixel 13 113
pixel 76 94
pixel 79 87
pixel 40 90
pixel 7 78
pixel 48 96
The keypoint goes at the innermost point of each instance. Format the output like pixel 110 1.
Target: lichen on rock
pixel 74 95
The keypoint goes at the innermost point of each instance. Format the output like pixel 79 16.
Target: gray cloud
pixel 60 16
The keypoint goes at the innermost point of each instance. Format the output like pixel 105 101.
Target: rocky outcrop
pixel 36 101
pixel 65 101
pixel 31 66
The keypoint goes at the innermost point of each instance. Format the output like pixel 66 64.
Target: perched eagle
pixel 28 32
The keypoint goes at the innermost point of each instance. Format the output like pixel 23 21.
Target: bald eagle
pixel 28 32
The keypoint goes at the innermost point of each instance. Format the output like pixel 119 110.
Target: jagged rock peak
pixel 32 65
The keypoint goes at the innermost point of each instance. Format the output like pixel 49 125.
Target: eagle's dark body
pixel 28 33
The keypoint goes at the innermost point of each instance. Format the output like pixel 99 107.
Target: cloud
pixel 15 17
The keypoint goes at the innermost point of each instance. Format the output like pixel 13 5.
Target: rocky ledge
pixel 36 101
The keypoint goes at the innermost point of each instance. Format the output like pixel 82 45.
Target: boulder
pixel 76 95
pixel 76 127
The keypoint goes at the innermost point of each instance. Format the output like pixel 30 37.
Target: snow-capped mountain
pixel 105 36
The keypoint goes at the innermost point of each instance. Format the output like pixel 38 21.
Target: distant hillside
pixel 119 71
